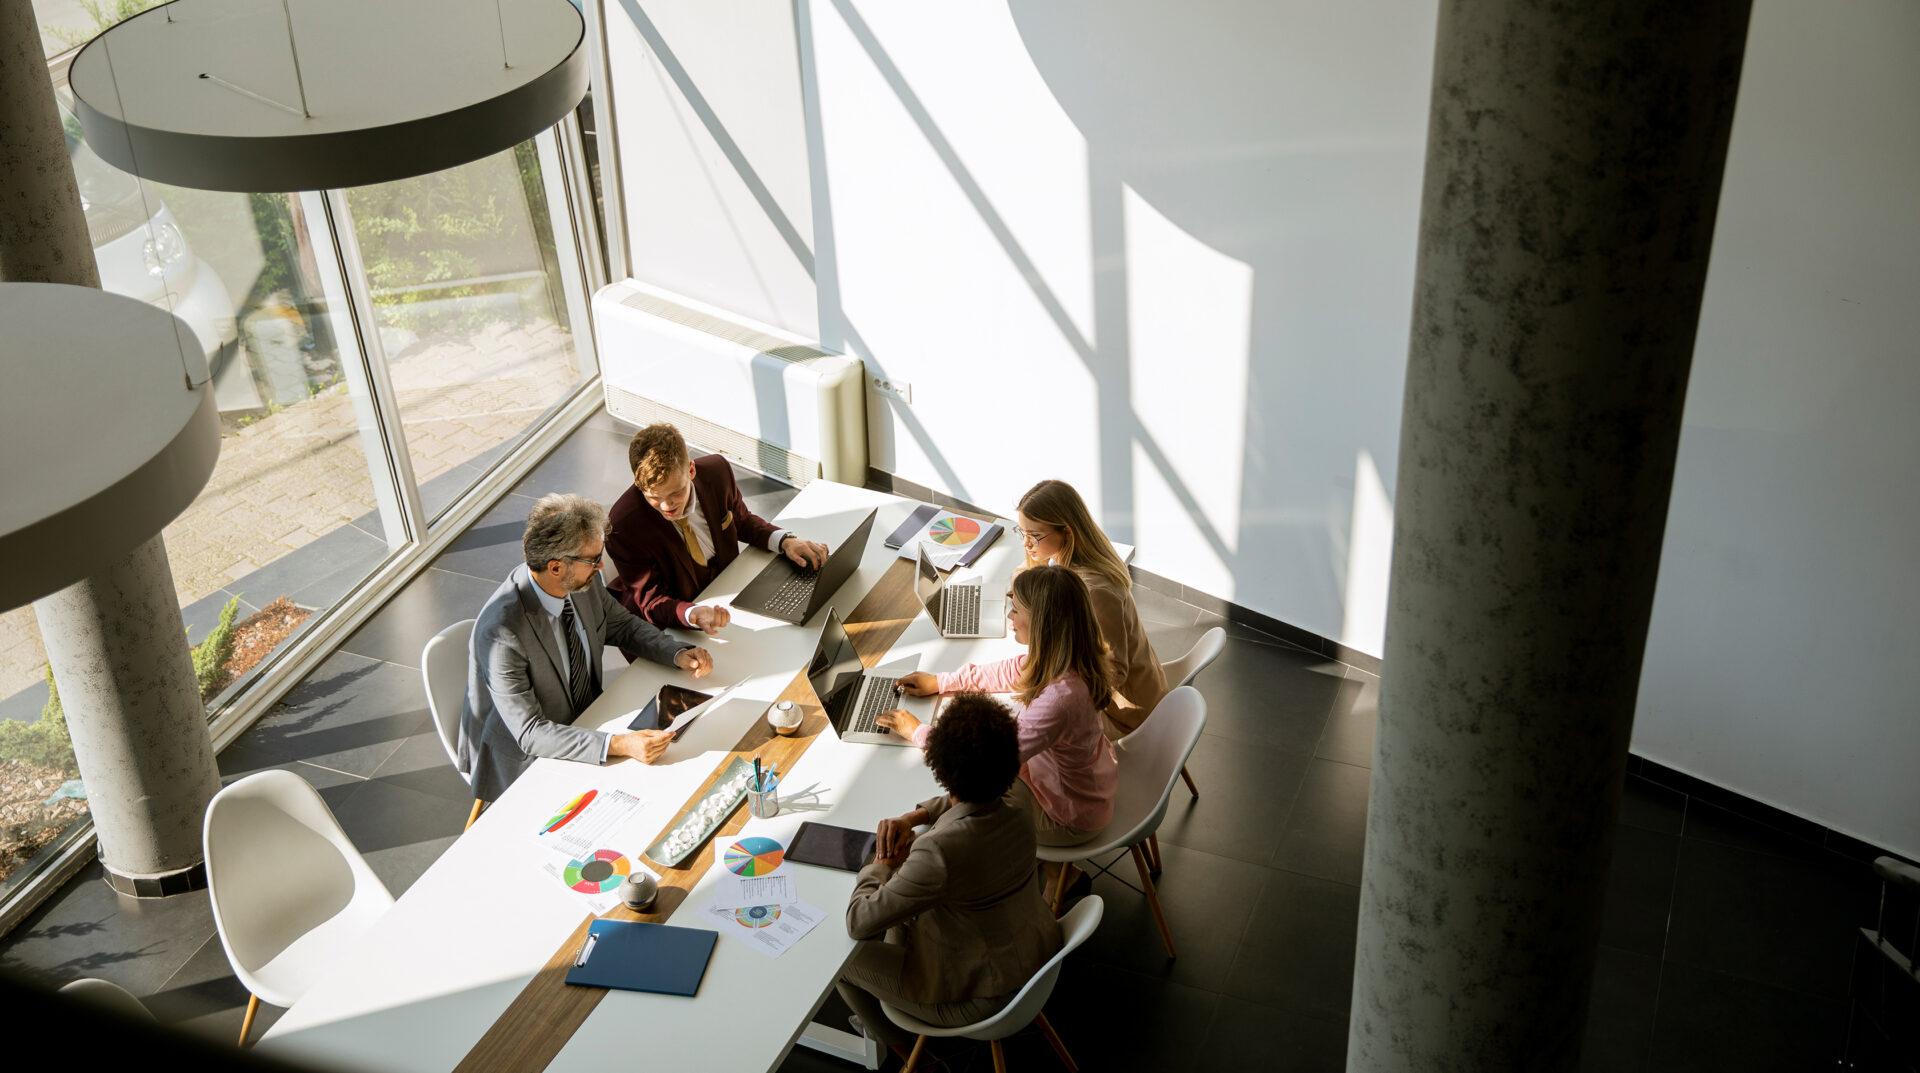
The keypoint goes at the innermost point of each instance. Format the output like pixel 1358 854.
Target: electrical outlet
pixel 894 389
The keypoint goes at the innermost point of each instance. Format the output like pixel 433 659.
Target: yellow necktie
pixel 693 542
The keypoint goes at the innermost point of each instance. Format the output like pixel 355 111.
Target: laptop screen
pixel 926 583
pixel 834 671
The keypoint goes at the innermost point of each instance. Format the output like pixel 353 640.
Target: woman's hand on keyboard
pixel 918 684
pixel 899 722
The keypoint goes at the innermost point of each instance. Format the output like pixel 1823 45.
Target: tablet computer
pixel 831 847
pixel 671 703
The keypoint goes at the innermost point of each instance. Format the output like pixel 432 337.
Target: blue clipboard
pixel 629 955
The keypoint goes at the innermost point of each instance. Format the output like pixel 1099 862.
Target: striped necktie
pixel 579 675
pixel 693 542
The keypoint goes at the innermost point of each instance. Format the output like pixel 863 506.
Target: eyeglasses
pixel 1032 539
pixel 593 562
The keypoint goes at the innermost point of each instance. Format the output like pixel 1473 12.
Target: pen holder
pixel 764 804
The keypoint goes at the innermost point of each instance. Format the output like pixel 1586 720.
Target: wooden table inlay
pixel 546 1013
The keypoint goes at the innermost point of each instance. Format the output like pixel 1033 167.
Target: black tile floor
pixel 1727 943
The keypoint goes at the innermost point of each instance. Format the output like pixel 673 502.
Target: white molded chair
pixel 289 890
pixel 1025 1009
pixel 108 995
pixel 1150 759
pixel 443 667
pixel 1182 672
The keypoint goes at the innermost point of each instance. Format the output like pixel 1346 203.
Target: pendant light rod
pixel 298 82
pixel 245 92
pixel 502 20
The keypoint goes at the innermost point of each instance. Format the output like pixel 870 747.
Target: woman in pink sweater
pixel 1067 767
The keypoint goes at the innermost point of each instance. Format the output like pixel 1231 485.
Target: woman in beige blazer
pixel 953 922
pixel 1056 527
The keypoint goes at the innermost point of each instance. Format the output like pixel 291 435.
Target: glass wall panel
pixel 476 307
pixel 289 521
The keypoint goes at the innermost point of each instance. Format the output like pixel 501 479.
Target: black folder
pixel 632 956
pixel 921 516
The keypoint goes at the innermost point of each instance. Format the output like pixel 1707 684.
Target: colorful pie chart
pixel 954 532
pixel 569 811
pixel 599 873
pixel 757 916
pixel 754 856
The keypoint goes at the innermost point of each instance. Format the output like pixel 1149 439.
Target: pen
pixel 759 783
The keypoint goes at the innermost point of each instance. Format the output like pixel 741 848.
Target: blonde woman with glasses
pixel 1056 527
pixel 1068 770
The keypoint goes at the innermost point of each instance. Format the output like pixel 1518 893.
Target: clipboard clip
pixel 586 949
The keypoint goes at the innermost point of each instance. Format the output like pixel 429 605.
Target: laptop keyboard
pixel 962 609
pixel 791 597
pixel 876 698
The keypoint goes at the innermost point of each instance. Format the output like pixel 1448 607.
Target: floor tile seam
pixel 463 573
pixel 1237 740
pixel 336 771
pixel 1286 817
pixel 1326 723
pixel 1310 875
pixel 1745 978
pixel 175 974
pixel 1820 855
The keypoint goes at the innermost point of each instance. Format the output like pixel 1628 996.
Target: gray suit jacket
pixel 976 924
pixel 516 706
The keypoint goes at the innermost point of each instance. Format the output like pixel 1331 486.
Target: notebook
pixel 629 955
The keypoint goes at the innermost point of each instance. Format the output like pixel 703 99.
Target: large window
pixel 373 353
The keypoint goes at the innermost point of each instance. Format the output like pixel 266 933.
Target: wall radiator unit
pixel 763 397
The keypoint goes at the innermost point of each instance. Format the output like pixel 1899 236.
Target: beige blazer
pixel 1138 683
pixel 975 922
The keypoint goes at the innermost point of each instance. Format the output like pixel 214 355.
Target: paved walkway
pixel 291 476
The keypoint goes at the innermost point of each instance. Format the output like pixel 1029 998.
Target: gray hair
pixel 560 525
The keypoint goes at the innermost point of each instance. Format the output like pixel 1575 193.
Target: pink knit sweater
pixel 1064 757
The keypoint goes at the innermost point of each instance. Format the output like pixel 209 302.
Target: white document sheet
pixel 741 892
pixel 770 929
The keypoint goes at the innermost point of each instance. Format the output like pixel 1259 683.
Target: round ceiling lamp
pixel 281 95
pixel 108 426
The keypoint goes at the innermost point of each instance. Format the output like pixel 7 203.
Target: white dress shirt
pixel 554 604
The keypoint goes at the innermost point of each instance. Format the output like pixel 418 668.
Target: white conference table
pixel 433 975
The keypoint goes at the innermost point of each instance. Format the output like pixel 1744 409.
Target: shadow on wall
pixel 1261 131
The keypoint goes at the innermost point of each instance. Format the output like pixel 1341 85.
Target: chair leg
pixel 1153 897
pixel 1060 888
pixel 475 814
pixel 914 1058
pixel 1059 1048
pixel 1153 852
pixel 999 1057
pixel 1191 788
pixel 246 1025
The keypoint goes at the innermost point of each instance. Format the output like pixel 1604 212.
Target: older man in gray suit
pixel 536 654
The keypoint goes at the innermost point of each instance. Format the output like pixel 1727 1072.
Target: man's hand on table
pixel 694 660
pixel 808 553
pixel 643 745
pixel 918 684
pixel 898 721
pixel 894 837
pixel 709 619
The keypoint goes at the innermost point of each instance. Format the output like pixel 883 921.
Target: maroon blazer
pixel 658 578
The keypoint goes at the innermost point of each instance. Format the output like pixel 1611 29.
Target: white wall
pixel 1166 252
pixel 1782 660
pixel 1162 251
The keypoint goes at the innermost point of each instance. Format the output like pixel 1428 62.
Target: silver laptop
pixel 854 696
pixel 960 609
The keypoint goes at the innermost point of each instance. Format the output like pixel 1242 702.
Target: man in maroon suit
pixel 680 525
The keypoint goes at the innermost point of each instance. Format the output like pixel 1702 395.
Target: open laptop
pixel 960 609
pixel 793 593
pixel 853 696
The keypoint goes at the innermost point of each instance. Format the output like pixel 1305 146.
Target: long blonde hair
pixel 1087 549
pixel 1063 637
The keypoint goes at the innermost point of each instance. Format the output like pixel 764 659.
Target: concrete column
pixel 118 650
pixel 1573 170
pixel 119 656
pixel 43 232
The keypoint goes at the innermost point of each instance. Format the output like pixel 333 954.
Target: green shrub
pixel 212 653
pixel 44 742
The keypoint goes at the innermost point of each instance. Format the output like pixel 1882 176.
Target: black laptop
pixel 793 593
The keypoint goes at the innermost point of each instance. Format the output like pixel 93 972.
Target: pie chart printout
pixel 754 856
pixel 568 811
pixel 599 873
pixel 954 532
pixel 757 916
